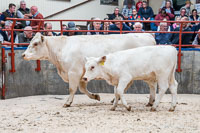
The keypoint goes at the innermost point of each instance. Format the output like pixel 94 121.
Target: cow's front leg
pixel 83 89
pixel 73 85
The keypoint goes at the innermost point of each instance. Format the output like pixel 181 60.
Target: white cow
pixel 153 64
pixel 68 54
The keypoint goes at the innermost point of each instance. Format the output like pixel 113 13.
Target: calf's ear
pixel 102 60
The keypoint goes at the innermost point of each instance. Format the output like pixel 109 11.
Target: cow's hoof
pixel 172 109
pixel 66 105
pixel 112 109
pixel 153 109
pixel 149 105
pixel 97 97
pixel 129 108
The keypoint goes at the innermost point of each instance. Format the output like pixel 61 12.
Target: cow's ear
pixel 42 38
pixel 102 60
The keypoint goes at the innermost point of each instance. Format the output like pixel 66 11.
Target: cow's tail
pixel 172 81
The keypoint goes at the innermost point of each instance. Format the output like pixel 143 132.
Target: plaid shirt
pixel 127 12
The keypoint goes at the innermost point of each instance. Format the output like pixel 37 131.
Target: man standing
pixel 36 15
pixel 24 12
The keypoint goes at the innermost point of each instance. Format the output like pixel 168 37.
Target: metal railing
pixel 12 53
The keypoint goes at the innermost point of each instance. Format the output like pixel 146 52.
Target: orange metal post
pixel 61 27
pixel 3 74
pixel 12 54
pixel 121 27
pixel 179 52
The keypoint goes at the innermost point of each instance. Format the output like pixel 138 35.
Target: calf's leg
pixel 153 88
pixel 173 89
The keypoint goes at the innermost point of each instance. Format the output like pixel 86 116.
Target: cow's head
pixel 37 50
pixel 93 68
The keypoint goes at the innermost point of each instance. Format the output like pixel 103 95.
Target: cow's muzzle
pixel 23 55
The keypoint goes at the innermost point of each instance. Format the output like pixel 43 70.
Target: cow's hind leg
pixel 115 101
pixel 163 86
pixel 153 88
pixel 83 89
pixel 173 89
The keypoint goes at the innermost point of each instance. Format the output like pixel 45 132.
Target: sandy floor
pixel 44 114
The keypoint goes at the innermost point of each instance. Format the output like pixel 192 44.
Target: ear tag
pixel 101 63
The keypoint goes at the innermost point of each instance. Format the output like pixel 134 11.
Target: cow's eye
pixel 35 44
pixel 92 67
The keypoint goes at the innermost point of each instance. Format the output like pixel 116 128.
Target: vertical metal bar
pixel 38 68
pixel 179 51
pixel 61 26
pixel 12 54
pixel 3 74
pixel 121 27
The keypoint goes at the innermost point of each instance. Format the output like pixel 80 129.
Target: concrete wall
pixel 26 81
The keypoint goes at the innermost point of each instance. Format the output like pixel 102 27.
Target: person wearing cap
pixel 115 14
pixel 188 3
pixel 72 26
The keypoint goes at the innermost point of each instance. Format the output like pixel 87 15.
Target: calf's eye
pixel 35 44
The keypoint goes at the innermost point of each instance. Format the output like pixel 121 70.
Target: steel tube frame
pixel 12 54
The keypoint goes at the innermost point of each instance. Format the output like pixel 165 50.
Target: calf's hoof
pixel 153 109
pixel 129 108
pixel 172 109
pixel 112 100
pixel 149 105
pixel 66 105
pixel 112 109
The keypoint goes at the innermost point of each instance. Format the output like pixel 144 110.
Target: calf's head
pixel 93 68
pixel 37 49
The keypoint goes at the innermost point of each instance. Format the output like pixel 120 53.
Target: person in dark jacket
pixel 115 14
pixel 116 27
pixel 146 13
pixel 186 37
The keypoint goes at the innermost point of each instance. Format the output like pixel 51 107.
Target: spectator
pixel 115 14
pixel 26 36
pixel 138 5
pixel 186 37
pixel 72 26
pixel 163 38
pixel 36 15
pixel 194 17
pixel 90 24
pixel 134 16
pixel 116 27
pixel 128 10
pixel 164 15
pixel 5 36
pixel 138 26
pixel 96 26
pixel 187 7
pixel 165 2
pixel 146 13
pixel 168 8
pixel 48 26
pixel 126 2
pixel 182 13
pixel 197 39
pixel 24 12
pixel 9 13
pixel 175 25
pixel 64 27
pixel 105 26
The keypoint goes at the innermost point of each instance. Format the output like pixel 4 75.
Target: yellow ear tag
pixel 101 63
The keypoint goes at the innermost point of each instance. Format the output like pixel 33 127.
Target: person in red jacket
pixel 164 15
pixel 138 4
pixel 36 15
